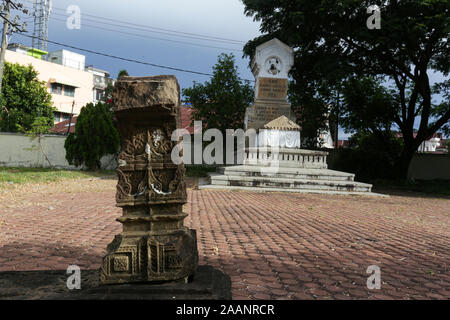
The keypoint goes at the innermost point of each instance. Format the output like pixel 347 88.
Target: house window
pixel 69 91
pixel 65 116
pixel 99 94
pixel 57 88
pixel 57 116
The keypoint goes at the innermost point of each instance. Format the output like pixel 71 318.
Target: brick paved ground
pixel 273 245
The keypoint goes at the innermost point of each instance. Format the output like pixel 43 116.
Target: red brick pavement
pixel 273 245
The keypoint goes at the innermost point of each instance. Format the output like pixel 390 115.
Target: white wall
pixel 430 167
pixel 18 150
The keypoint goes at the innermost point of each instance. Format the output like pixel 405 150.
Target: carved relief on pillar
pixel 134 144
pixel 161 144
pixel 145 172
pixel 171 255
pixel 126 261
pixel 167 185
pixel 132 185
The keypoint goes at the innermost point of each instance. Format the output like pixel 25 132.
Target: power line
pixel 159 32
pixel 176 32
pixel 150 37
pixel 145 36
pixel 127 59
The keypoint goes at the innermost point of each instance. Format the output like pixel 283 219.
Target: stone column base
pixel 162 256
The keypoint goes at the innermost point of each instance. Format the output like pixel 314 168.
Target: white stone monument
pixel 276 162
pixel 271 65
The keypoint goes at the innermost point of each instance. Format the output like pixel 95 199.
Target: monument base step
pixel 207 284
pixel 254 177
pixel 299 184
pixel 289 173
pixel 256 189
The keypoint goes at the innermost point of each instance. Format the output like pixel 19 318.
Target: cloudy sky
pixel 176 33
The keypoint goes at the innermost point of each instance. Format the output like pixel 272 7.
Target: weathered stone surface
pixel 208 283
pixel 282 123
pixel 264 111
pixel 272 88
pixel 154 244
pixel 142 92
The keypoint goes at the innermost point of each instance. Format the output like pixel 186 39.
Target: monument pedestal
pixel 264 111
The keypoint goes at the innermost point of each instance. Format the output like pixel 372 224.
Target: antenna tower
pixel 42 9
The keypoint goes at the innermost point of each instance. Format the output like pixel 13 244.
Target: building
pixel 434 144
pixel 67 58
pixel 65 127
pixel 71 85
pixel 100 83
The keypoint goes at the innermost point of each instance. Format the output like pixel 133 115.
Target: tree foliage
pixel 24 99
pixel 221 102
pixel 371 156
pixel 367 106
pixel 333 44
pixel 122 73
pixel 311 112
pixel 95 136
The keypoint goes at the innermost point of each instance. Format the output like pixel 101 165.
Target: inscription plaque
pixel 272 88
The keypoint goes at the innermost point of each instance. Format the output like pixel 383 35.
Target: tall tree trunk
pixel 405 160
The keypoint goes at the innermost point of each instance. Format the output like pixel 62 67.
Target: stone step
pixel 252 189
pixel 288 173
pixel 294 184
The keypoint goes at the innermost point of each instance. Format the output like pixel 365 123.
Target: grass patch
pixel 199 170
pixel 42 175
pixel 434 187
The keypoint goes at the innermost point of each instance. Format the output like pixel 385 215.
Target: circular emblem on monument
pixel 273 65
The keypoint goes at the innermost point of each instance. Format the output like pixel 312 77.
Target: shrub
pixel 95 136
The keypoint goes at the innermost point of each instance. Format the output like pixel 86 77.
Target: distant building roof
pixel 93 69
pixel 30 51
pixel 17 45
pixel 186 118
pixel 343 143
pixel 63 126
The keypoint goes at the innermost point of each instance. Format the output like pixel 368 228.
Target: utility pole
pixel 7 24
pixel 6 17
pixel 336 134
pixel 70 119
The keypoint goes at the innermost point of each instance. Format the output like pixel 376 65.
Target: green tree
pixel 334 36
pixel 221 102
pixel 311 111
pixel 371 156
pixel 24 98
pixel 367 106
pixel 95 136
pixel 122 73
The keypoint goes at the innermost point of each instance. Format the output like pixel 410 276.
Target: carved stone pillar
pixel 154 244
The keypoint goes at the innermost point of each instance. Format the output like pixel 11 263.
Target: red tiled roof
pixel 63 126
pixel 186 118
